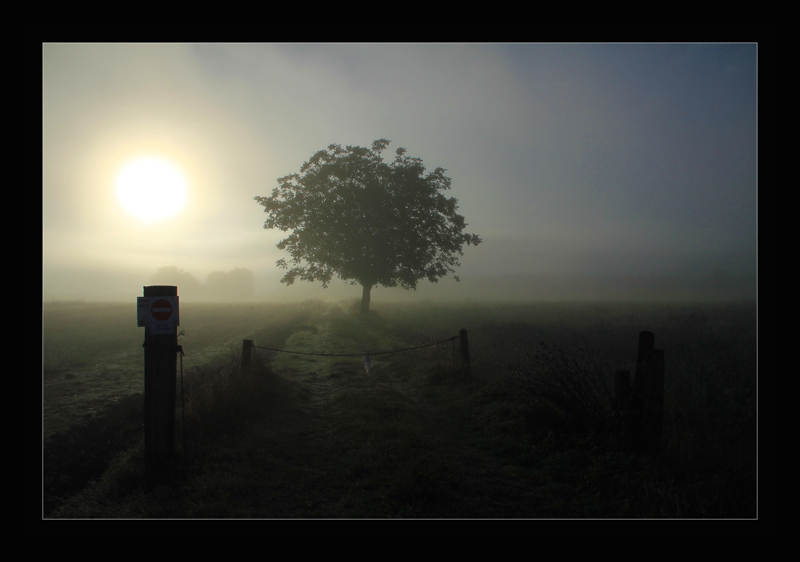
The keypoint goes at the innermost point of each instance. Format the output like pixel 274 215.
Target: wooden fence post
pixel 160 379
pixel 646 341
pixel 247 348
pixel 462 334
pixel 653 400
pixel 642 403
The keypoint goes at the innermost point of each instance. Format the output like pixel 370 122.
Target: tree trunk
pixel 365 299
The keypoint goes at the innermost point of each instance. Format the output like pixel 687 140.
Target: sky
pixel 566 159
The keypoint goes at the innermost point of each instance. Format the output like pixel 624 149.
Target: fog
pixel 588 170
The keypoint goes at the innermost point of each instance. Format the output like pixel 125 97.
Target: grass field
pixel 304 436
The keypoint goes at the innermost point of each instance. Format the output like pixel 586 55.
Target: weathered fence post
pixel 646 342
pixel 653 400
pixel 634 414
pixel 642 403
pixel 247 348
pixel 158 314
pixel 462 334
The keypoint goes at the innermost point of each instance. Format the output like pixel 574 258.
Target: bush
pixel 570 387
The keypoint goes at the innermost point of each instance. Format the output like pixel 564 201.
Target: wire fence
pixel 371 353
pixel 249 345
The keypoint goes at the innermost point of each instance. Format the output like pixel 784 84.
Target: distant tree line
pixel 238 283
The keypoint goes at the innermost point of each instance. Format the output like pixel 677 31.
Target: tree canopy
pixel 173 275
pixel 237 283
pixel 366 221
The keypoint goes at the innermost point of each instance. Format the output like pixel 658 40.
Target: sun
pixel 151 189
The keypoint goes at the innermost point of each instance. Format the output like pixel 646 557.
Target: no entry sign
pixel 161 310
pixel 159 313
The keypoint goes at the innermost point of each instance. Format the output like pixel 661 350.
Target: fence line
pixel 249 345
pixel 641 401
pixel 354 354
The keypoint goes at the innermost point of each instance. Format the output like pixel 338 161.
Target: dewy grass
pixel 526 436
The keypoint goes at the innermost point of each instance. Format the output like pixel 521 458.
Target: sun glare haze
pixel 571 161
pixel 151 188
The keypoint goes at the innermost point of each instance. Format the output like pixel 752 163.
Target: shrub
pixel 571 387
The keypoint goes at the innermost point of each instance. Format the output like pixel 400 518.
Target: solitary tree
pixel 366 221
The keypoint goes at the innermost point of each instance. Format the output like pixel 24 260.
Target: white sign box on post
pixel 161 314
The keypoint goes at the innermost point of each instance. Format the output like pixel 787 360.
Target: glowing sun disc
pixel 151 189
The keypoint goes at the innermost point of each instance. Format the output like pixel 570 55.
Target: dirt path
pixel 378 444
pixel 333 441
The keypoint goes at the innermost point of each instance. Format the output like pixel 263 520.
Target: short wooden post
pixel 462 334
pixel 633 415
pixel 653 401
pixel 646 342
pixel 160 379
pixel 247 348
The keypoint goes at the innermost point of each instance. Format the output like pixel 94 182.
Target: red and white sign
pixel 161 310
pixel 160 314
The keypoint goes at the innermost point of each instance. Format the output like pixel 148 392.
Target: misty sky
pixel 565 158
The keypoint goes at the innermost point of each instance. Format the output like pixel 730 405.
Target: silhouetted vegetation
pixel 355 217
pixel 531 434
pixel 173 275
pixel 236 284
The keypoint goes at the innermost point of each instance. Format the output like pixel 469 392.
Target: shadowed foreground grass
pixel 317 437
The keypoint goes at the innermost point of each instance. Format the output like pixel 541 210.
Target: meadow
pixel 416 435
